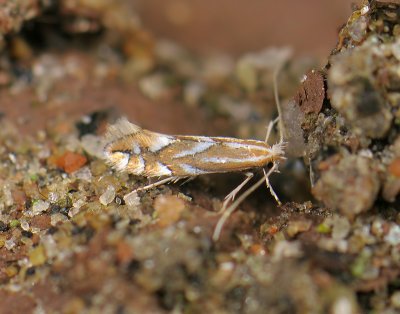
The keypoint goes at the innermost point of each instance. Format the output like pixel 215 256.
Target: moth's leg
pixel 231 196
pixel 152 185
pixel 271 190
pixel 232 207
pixel 241 198
pixel 159 182
pixel 187 180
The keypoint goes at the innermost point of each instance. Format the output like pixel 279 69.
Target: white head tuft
pixel 278 150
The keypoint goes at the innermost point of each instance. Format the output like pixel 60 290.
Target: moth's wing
pixel 120 129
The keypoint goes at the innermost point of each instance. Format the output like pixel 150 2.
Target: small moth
pixel 171 158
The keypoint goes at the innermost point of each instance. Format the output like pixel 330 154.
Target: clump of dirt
pixel 351 138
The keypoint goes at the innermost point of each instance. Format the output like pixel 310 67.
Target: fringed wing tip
pixel 120 129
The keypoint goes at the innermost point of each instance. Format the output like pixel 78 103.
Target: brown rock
pixel 41 221
pixel 351 185
pixel 311 94
pixel 168 209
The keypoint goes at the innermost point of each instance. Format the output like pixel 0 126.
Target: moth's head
pixel 278 152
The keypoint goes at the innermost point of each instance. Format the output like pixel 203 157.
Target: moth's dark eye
pixel 270 165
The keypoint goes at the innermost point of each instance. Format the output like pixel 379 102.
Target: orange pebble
pixel 124 252
pixel 394 167
pixel 70 162
pixel 273 229
pixel 257 249
pixel 19 197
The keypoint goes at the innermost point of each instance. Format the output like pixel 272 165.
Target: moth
pixel 170 158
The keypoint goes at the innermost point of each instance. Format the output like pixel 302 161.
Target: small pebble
pixel 153 86
pixel 298 226
pixel 84 174
pixel 108 196
pixel 37 256
pixel 395 299
pixel 358 28
pixel 377 227
pixel 76 207
pixel 257 249
pixel 393 237
pixel 124 252
pixel 7 196
pixel 53 197
pixel 3 226
pixel 193 92
pixel 92 145
pixel 39 206
pixel 168 209
pixel 25 225
pixel 9 244
pixel 343 305
pixel 12 158
pixel 394 167
pixel 132 200
pixel 57 218
pixel 223 273
pixel 341 227
pixel 285 249
pixel 396 49
pixel 11 271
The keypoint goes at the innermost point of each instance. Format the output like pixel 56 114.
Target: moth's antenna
pixel 278 103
